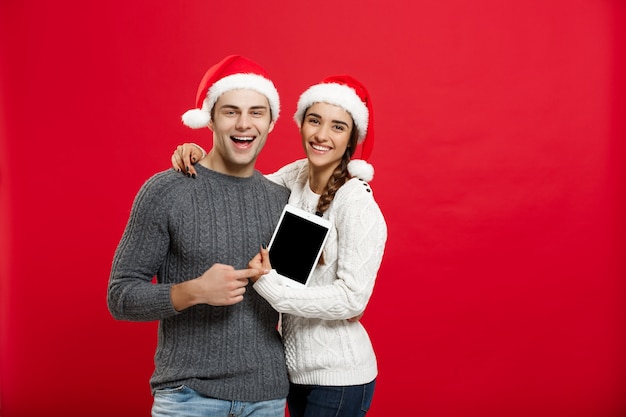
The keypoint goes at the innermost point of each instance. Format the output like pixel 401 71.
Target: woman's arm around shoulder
pixel 290 174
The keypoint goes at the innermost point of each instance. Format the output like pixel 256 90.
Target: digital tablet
pixel 297 244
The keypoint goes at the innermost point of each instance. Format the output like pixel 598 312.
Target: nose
pixel 323 133
pixel 243 122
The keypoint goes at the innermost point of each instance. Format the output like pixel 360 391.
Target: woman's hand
pixel 260 261
pixel 185 157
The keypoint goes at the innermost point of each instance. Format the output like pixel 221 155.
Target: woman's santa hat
pixel 348 93
pixel 232 73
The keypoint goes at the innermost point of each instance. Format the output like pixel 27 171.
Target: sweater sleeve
pixel 131 293
pixel 288 175
pixel 361 238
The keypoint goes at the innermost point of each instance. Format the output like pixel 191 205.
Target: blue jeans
pixel 184 402
pixel 326 401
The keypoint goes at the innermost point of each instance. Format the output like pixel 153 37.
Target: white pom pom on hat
pixel 232 73
pixel 196 118
pixel 361 169
pixel 348 93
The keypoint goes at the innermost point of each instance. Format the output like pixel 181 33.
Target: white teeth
pixel 320 148
pixel 246 139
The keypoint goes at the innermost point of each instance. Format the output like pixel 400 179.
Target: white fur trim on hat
pixel 361 169
pixel 338 95
pixel 199 118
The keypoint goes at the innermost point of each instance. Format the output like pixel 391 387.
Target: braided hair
pixel 338 178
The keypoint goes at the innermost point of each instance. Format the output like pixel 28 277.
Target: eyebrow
pixel 232 106
pixel 332 121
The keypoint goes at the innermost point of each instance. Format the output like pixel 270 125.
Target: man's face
pixel 241 122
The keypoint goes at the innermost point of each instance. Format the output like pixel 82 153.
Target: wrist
pixel 183 295
pixel 201 150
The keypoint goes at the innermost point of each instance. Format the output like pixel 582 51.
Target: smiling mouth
pixel 242 140
pixel 320 147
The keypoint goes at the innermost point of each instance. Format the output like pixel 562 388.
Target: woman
pixel 331 362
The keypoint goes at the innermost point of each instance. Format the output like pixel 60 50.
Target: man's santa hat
pixel 232 73
pixel 348 93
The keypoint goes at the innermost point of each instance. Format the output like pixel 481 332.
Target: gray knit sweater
pixel 177 229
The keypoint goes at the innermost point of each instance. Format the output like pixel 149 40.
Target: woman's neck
pixel 318 178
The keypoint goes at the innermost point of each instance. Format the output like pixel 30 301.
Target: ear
pixel 272 124
pixel 210 125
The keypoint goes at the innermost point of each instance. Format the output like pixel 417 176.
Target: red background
pixel 499 163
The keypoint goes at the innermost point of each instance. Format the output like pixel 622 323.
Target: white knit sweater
pixel 321 346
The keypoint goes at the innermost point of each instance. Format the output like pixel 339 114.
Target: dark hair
pixel 340 175
pixel 338 178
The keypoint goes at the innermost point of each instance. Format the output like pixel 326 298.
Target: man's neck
pixel 214 163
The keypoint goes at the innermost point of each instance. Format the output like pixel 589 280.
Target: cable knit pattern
pixel 177 229
pixel 321 346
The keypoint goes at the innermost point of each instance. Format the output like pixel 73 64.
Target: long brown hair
pixel 340 174
pixel 338 178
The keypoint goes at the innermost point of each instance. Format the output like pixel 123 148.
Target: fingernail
pixel 187 168
pixel 188 175
pixel 193 159
pixel 264 246
pixel 193 175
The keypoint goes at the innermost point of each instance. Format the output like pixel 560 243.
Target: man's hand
pixel 220 285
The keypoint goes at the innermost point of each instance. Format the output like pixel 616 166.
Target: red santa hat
pixel 348 93
pixel 232 73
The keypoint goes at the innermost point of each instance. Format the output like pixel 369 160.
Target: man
pixel 218 351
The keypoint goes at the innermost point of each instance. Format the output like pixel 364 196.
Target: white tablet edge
pixel 312 218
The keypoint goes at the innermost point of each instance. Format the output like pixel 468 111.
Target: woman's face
pixel 325 134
